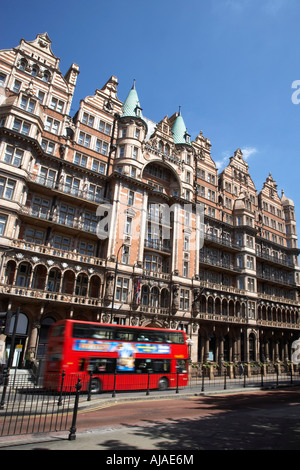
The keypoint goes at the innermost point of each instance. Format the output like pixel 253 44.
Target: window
pixel 94 193
pixel 153 263
pixel 125 255
pixel 66 215
pixel 34 236
pixel 7 187
pixel 122 151
pixel 46 76
pixel 130 198
pixel 98 166
pixel 2 79
pixel 105 127
pixel 122 289
pixel 40 96
pixel 250 262
pixel 240 283
pixel 80 159
pixel 137 133
pixel 52 125
pixel 249 241
pixel 250 284
pixel 101 147
pixel 186 243
pixel 86 248
pixel 185 269
pixel 187 218
pixel 84 139
pixel 34 70
pixel 210 195
pixel 13 155
pixel 3 220
pixel 184 299
pixel 17 86
pixel 46 177
pixel 135 153
pixel 90 222
pixel 128 226
pixel 40 207
pixel 47 146
pixel 21 126
pixel 72 185
pixel 56 105
pixel 27 104
pixel 88 119
pixel 61 243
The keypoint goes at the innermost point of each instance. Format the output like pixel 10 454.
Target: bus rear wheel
pixel 163 384
pixel 95 385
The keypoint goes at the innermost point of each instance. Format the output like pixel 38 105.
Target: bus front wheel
pixel 95 385
pixel 163 384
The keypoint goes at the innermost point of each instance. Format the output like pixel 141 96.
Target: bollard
pixel 114 390
pixel 225 374
pixel 177 390
pixel 59 403
pixel 5 385
pixel 72 435
pixel 90 386
pixel 148 381
pixel 202 388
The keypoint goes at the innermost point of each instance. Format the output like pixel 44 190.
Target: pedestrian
pixel 241 369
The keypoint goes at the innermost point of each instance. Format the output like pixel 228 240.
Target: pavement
pixel 240 419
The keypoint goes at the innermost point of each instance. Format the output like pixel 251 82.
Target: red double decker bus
pixel 116 357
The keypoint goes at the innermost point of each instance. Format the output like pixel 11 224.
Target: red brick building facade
pixel 108 216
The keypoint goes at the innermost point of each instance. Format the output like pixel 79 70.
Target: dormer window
pixel 138 111
pixel 22 64
pixel 34 70
pixel 46 76
pixel 187 138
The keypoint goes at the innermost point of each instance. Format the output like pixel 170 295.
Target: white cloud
pixel 247 153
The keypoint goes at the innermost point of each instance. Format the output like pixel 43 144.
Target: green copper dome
pixel 180 134
pixel 131 106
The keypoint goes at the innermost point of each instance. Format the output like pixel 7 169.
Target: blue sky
pixel 229 64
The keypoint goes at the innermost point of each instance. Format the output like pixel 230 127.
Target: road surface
pixel 262 420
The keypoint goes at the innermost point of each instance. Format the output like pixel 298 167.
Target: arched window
pixel 165 298
pixel 154 297
pixel 145 295
pixel 46 76
pixel 22 325
pixel 22 64
pixel 34 70
pixel 252 347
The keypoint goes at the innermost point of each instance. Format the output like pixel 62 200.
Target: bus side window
pixel 100 365
pixel 81 364
pixel 181 366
